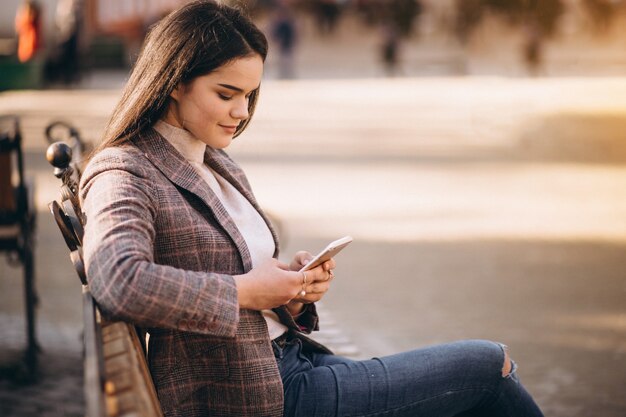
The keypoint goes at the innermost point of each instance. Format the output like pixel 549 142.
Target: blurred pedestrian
pixel 533 49
pixel 327 12
pixel 28 30
pixel 390 48
pixel 284 34
pixel 68 20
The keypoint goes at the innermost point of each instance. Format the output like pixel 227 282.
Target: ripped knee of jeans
pixel 509 366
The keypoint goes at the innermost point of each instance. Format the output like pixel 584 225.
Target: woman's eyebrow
pixel 232 87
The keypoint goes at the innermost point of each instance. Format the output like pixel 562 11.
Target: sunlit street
pixel 480 208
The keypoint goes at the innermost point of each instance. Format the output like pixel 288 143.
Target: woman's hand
pixel 273 284
pixel 267 286
pixel 317 281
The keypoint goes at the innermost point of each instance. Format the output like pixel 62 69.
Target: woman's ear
pixel 175 92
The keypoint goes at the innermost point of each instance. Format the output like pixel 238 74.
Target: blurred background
pixel 475 150
pixel 336 38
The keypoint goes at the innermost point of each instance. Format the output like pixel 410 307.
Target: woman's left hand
pixel 318 281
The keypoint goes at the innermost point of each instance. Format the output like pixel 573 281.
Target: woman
pixel 176 243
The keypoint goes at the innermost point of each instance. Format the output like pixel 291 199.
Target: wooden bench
pixel 117 380
pixel 17 225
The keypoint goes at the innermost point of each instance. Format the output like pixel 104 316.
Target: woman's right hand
pixel 267 286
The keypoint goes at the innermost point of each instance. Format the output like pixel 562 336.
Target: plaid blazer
pixel 160 251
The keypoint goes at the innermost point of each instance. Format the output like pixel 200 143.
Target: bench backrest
pixel 117 380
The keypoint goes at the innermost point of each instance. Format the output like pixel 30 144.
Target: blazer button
pixel 203 325
pixel 183 323
pixel 193 324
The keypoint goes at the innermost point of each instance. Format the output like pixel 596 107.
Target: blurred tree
pixel 469 14
pixel 542 13
pixel 601 13
pixel 369 10
pixel 537 18
pixel 403 15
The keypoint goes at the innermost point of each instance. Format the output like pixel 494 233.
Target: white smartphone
pixel 329 251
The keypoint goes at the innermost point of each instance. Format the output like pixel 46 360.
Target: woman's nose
pixel 240 111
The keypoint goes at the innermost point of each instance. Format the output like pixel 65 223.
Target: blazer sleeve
pixel 120 207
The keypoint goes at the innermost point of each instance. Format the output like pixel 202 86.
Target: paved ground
pixel 490 208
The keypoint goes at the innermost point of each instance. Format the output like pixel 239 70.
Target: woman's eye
pixel 224 97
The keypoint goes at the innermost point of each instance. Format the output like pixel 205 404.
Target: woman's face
pixel 213 105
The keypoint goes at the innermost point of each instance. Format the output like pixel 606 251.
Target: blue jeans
pixel 456 379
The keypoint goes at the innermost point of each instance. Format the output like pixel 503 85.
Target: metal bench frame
pixel 17 226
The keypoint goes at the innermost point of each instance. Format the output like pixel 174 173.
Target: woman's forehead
pixel 243 73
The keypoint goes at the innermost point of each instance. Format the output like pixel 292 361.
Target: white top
pixel 251 225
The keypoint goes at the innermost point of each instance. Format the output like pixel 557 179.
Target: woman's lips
pixel 229 129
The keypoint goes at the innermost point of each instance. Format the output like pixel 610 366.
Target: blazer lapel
pixel 223 165
pixel 176 168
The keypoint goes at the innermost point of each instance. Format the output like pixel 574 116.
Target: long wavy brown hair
pixel 189 42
